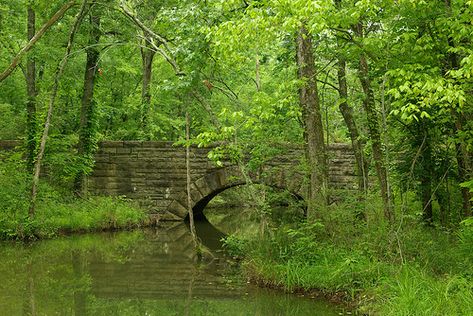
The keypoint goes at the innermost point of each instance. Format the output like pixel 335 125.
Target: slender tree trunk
pixel 52 100
pixel 465 170
pixel 347 113
pixel 147 55
pixel 257 73
pixel 464 157
pixel 86 143
pixel 188 185
pixel 426 179
pixel 16 60
pixel 32 93
pixel 356 142
pixel 309 100
pixel 374 132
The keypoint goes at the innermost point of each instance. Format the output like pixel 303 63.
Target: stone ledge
pixel 10 144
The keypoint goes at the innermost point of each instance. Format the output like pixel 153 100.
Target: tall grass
pixel 413 291
pixel 406 269
pixel 58 211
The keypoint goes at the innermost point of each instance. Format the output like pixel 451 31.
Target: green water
pixel 145 272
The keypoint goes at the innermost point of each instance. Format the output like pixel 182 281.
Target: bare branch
pixel 166 52
pixel 207 108
pixel 328 84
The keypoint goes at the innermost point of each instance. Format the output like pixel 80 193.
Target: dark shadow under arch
pixel 204 189
pixel 199 207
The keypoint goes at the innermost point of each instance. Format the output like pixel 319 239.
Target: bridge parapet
pixel 154 173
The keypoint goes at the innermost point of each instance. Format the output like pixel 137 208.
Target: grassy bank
pixel 58 210
pixel 410 269
pixel 57 217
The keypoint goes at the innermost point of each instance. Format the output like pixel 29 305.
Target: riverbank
pixel 58 210
pixel 57 216
pixel 412 270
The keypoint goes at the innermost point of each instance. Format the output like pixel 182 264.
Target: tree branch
pixel 58 73
pixel 329 84
pixel 207 108
pixel 166 52
pixel 59 14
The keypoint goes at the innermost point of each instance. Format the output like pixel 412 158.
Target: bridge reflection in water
pixel 166 266
pixel 150 272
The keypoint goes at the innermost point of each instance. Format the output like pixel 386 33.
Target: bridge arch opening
pixel 235 209
pixel 200 206
pixel 207 187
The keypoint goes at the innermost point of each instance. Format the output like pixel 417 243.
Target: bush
pixel 235 245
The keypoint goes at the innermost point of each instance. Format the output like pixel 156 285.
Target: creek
pixel 141 272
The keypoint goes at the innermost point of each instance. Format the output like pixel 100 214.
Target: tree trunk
pixel 465 169
pixel 257 73
pixel 147 55
pixel 44 136
pixel 347 113
pixel 426 179
pixel 309 100
pixel 464 157
pixel 86 143
pixel 374 132
pixel 32 93
pixel 16 60
pixel 188 186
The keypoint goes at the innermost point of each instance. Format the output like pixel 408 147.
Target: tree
pixel 147 56
pixel 32 93
pixel 57 76
pixel 347 112
pixel 355 137
pixel 431 92
pixel 313 128
pixel 87 130
pixel 374 130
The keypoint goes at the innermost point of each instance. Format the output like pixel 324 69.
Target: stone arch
pixel 218 180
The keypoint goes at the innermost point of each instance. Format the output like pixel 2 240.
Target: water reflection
pixel 150 272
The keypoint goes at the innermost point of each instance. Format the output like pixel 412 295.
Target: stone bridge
pixel 154 173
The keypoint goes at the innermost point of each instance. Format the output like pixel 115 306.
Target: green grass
pixel 414 291
pixel 55 217
pixel 410 269
pixel 89 214
pixel 57 211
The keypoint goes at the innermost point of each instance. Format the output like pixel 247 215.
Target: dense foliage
pixel 393 77
pixel 232 65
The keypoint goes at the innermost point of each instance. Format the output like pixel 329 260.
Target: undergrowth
pixel 57 211
pixel 404 269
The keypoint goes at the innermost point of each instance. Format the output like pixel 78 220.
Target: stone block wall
pixel 154 173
